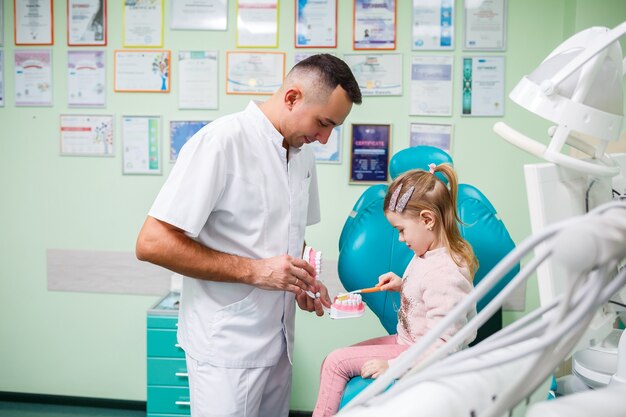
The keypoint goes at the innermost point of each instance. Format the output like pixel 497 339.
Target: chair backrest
pixel 369 246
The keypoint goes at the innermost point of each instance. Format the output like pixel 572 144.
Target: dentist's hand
pixel 306 303
pixel 284 273
pixel 389 282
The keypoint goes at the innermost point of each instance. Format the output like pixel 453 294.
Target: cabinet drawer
pixel 163 343
pixel 163 371
pixel 162 322
pixel 168 400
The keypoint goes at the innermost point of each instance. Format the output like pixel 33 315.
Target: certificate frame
pixel 146 151
pixel 2 89
pixel 428 19
pixel 90 71
pixel 86 135
pixel 330 152
pixel 192 90
pixel 370 153
pixel 431 85
pixel 156 61
pixel 251 41
pixel 149 40
pixel 301 40
pixel 493 39
pixel 97 22
pixel 236 69
pixel 215 8
pixel 377 74
pixel 379 39
pixel 20 38
pixel 180 132
pixel 1 22
pixel 439 135
pixel 482 86
pixel 26 66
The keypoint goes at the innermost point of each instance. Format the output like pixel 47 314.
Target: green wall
pixel 93 345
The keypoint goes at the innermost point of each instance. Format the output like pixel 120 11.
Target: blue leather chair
pixel 369 246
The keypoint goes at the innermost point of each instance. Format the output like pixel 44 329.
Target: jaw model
pixel 347 306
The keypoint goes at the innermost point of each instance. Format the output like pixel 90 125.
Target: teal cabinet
pixel 168 385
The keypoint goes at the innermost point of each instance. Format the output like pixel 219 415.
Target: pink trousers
pixel 342 364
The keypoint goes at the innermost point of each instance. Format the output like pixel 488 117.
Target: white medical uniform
pixel 233 190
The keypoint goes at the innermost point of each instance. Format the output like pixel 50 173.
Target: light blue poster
pixel 316 25
pixel 180 133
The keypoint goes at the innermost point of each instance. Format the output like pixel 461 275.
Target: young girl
pixel 423 210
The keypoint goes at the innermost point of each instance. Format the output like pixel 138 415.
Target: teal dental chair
pixel 369 246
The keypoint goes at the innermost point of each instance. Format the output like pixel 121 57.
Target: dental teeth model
pixel 315 259
pixel 347 306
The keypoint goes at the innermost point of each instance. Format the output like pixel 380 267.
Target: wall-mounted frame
pixel 430 134
pixel 142 24
pixel 316 24
pixel 142 71
pixel 377 74
pixel 197 79
pixel 180 132
pixel 482 86
pixel 32 77
pixel 141 145
pixel 86 135
pixel 1 77
pixel 369 153
pixel 86 78
pixel 431 85
pixel 86 22
pixel 374 27
pixel 33 22
pixel 1 22
pixel 433 25
pixel 254 72
pixel 257 23
pixel 199 15
pixel 485 25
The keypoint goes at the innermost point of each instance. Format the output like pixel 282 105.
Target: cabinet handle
pixel 185 374
pixel 183 403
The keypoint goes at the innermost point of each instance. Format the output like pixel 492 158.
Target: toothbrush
pixel 360 291
pixel 314 258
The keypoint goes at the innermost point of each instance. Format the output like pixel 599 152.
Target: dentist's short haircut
pixel 325 72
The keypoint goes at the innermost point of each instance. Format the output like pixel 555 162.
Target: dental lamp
pixel 579 87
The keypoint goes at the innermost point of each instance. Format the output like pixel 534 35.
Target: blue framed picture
pixel 180 132
pixel 369 156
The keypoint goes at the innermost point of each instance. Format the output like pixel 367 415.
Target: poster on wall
pixel 142 71
pixel 257 23
pixel 431 85
pixel 143 24
pixel 33 22
pixel 141 144
pixel 433 25
pixel 316 24
pixel 86 22
pixel 374 24
pixel 369 155
pixel 485 25
pixel 33 77
pixel 1 78
pixel 86 79
pixel 180 132
pixel 254 72
pixel 199 14
pixel 483 86
pixel 87 135
pixel 329 153
pixel 377 74
pixel 427 134
pixel 197 80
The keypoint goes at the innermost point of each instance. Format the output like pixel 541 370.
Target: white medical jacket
pixel 233 190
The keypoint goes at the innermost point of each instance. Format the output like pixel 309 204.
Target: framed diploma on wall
pixel 33 22
pixel 369 154
pixel 86 22
pixel 316 24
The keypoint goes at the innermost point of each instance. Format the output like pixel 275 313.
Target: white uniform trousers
pixel 239 392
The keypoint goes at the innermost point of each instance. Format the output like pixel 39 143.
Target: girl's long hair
pixel 432 194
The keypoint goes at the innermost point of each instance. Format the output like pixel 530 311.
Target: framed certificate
pixel 180 132
pixel 86 22
pixel 33 77
pixel 199 14
pixel 142 71
pixel 143 24
pixel 254 72
pixel 33 22
pixel 426 134
pixel 369 155
pixel 1 22
pixel 374 27
pixel 87 135
pixel 316 24
pixel 433 25
pixel 141 144
pixel 197 80
pixel 483 86
pixel 431 85
pixel 329 153
pixel 377 74
pixel 485 25
pixel 86 79
pixel 257 23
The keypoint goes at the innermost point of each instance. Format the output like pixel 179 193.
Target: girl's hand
pixel 389 282
pixel 373 368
